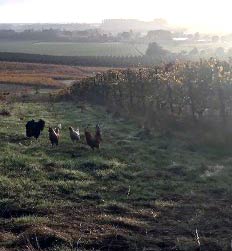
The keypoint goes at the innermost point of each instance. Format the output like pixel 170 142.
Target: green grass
pixel 74 49
pixel 133 193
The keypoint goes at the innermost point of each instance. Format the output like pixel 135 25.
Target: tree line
pixel 182 90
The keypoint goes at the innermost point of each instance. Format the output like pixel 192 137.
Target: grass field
pixel 74 49
pixel 136 193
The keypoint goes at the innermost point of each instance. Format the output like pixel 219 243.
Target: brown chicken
pixel 93 142
pixel 54 135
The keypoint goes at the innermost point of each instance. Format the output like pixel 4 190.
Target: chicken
pixel 74 134
pixel 98 134
pixel 33 129
pixel 93 142
pixel 54 135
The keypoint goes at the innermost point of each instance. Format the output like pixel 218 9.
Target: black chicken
pixel 33 129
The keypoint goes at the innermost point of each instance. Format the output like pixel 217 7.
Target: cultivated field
pixel 101 49
pixel 74 49
pixel 136 193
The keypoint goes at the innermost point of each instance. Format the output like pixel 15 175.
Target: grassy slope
pixel 135 192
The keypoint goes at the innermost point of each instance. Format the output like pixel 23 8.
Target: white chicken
pixel 74 134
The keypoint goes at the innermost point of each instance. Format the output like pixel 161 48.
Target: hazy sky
pixel 200 14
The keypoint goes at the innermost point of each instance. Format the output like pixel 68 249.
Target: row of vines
pixel 102 61
pixel 193 90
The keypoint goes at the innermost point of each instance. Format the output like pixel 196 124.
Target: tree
pixel 155 50
pixel 220 52
pixel 197 36
pixel 194 52
pixel 126 36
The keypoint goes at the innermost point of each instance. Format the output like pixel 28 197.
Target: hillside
pixel 136 193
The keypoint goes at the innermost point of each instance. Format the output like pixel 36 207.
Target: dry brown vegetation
pixel 51 76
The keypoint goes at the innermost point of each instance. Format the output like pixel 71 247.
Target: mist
pixel 203 16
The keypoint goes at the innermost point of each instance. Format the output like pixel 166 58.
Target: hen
pixel 98 133
pixel 74 134
pixel 93 141
pixel 33 129
pixel 54 135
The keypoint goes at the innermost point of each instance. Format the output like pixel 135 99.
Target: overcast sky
pixel 200 14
